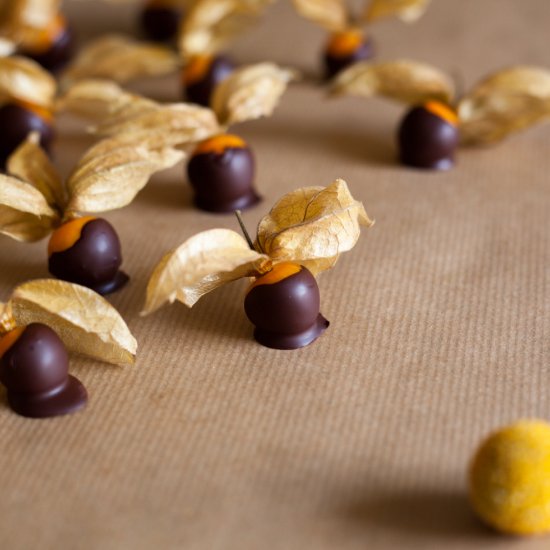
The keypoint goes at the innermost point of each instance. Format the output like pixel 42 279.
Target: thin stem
pixel 243 229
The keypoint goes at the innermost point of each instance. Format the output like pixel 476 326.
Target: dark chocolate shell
pixel 34 370
pixel 428 137
pixel 286 312
pixel 93 260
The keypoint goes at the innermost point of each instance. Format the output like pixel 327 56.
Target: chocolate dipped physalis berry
pixel 27 95
pixel 505 102
pixel 221 169
pixel 160 19
pixel 201 75
pixel 87 250
pixel 283 305
pixel 344 48
pixel 304 234
pixel 41 320
pixel 348 42
pixel 40 30
pixel 207 29
pixel 34 202
pixel 221 172
pixel 54 47
pixel 121 59
pixel 34 367
pixel 509 477
pixel 428 136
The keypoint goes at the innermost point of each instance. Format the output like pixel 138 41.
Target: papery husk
pixel 250 92
pixel 201 264
pixel 34 14
pixel 329 14
pixel 96 99
pixel 30 163
pixel 112 173
pixel 408 82
pixel 312 226
pixel 121 59
pixel 406 10
pixel 7 47
pixel 25 21
pixel 136 119
pixel 25 214
pixel 24 80
pixel 503 103
pixel 85 321
pixel 7 322
pixel 211 24
pixel 171 125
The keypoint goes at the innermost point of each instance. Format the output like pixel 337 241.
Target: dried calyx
pixel 506 101
pixel 208 28
pixel 34 202
pixel 39 30
pixel 221 169
pixel 304 234
pixel 85 321
pixel 348 43
pixel 27 95
pixel 249 93
pixel 211 25
pixel 121 59
pixel 428 136
pixel 7 47
pixel 23 21
pixel 39 322
pixel 311 226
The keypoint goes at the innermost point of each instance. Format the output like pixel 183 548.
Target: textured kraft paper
pixel 440 325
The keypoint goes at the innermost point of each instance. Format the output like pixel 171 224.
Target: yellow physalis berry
pixel 509 479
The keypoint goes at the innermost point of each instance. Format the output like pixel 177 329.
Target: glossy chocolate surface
pixel 334 63
pixel 427 140
pixel 93 261
pixel 223 182
pixel 16 123
pixel 57 56
pixel 35 373
pixel 201 91
pixel 286 313
pixel 160 23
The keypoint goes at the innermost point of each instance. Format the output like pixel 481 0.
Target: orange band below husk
pixel 278 273
pixel 9 339
pixel 65 236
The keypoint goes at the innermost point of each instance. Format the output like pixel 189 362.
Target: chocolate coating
pixel 160 23
pixel 201 91
pixel 58 55
pixel 286 313
pixel 223 182
pixel 427 140
pixel 35 373
pixel 93 261
pixel 334 64
pixel 16 123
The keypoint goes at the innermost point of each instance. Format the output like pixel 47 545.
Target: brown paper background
pixel 440 325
